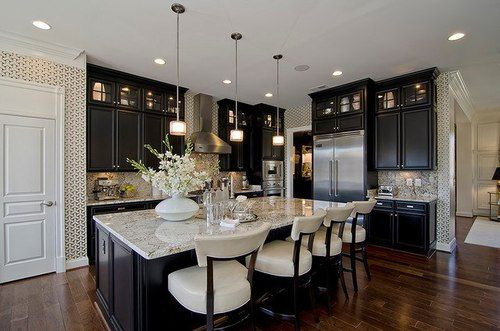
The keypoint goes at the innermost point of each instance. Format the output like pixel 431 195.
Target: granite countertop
pixel 414 198
pixel 142 198
pixel 152 237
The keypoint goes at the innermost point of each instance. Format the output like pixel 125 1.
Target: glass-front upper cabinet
pixel 101 91
pixel 388 100
pixel 268 120
pixel 416 94
pixel 350 103
pixel 325 108
pixel 242 118
pixel 171 98
pixel 153 100
pixel 129 96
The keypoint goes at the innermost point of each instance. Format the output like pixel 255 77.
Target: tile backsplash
pixel 398 179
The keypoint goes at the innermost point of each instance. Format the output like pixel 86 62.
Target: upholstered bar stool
pixel 287 260
pixel 327 248
pixel 219 284
pixel 355 235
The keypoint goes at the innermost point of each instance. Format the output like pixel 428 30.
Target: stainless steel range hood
pixel 204 141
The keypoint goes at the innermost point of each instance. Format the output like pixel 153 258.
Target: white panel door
pixel 27 190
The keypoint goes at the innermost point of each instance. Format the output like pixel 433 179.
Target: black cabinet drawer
pixel 384 204
pixel 411 206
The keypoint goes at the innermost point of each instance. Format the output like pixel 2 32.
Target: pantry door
pixel 27 197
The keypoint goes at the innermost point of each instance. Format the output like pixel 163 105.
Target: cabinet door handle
pixel 118 166
pixel 379 203
pixel 409 206
pixel 104 246
pixel 120 208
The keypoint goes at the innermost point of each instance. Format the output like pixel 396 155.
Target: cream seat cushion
pixel 276 258
pixel 231 288
pixel 347 236
pixel 319 247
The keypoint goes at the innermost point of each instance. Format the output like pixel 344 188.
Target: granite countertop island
pixel 152 237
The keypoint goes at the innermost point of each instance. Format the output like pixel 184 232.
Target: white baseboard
pixel 60 264
pixel 77 263
pixel 448 248
pixel 464 214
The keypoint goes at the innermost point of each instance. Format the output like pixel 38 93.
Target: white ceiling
pixel 363 38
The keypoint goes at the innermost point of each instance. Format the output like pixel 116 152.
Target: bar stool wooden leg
pixel 352 256
pixel 365 262
pixel 296 302
pixel 312 301
pixel 340 270
pixel 329 289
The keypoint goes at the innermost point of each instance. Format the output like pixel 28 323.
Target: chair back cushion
pixel 307 224
pixel 229 246
pixel 338 214
pixel 364 207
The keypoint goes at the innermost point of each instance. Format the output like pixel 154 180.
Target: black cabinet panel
pixel 381 226
pixel 387 141
pixel 153 135
pixel 103 269
pixel 123 286
pixel 267 144
pixel 100 138
pixel 128 126
pixel 325 126
pixel 410 231
pixel 350 123
pixel 416 139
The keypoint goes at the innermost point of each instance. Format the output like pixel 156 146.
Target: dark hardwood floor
pixel 457 291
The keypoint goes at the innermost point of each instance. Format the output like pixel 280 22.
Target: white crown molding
pixel 12 42
pixel 461 93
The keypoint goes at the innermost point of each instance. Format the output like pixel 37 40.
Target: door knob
pixel 47 203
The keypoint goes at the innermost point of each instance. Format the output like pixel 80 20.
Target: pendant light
pixel 278 140
pixel 236 135
pixel 178 127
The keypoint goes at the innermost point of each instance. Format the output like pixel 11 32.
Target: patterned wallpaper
pixel 74 81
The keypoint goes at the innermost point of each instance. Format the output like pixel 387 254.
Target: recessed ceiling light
pixel 456 36
pixel 160 61
pixel 268 95
pixel 41 25
pixel 337 73
pixel 302 67
pixel 226 81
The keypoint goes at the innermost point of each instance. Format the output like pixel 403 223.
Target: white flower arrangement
pixel 176 174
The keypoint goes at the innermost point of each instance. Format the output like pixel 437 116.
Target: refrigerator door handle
pixel 336 178
pixel 330 163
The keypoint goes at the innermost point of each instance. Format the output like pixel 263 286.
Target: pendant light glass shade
pixel 278 140
pixel 178 127
pixel 236 135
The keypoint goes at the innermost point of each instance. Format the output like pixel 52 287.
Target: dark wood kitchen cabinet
pixel 342 108
pixel 404 225
pixel 115 281
pixel 124 112
pixel 405 122
pixel 128 138
pixel 100 138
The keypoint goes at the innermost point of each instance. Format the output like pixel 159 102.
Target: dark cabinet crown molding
pixel 342 88
pixel 413 77
pixel 120 76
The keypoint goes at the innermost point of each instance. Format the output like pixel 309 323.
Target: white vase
pixel 177 208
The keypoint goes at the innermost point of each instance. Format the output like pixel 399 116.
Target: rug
pixel 484 232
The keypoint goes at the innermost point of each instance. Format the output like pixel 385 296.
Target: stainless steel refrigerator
pixel 340 167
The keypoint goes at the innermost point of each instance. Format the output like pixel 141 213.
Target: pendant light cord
pixel 278 97
pixel 177 105
pixel 236 85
